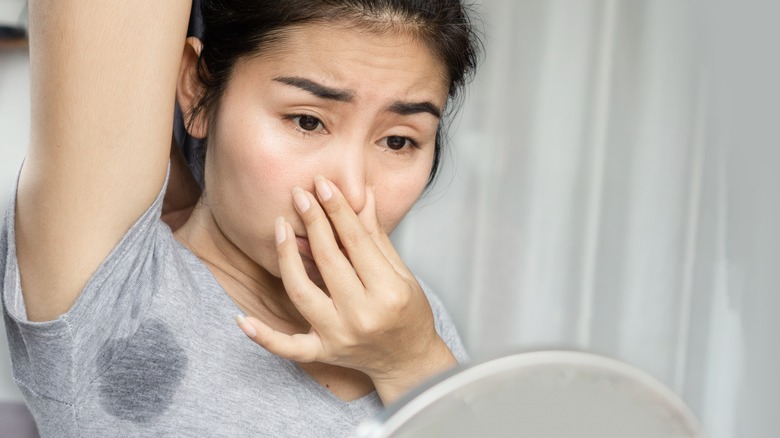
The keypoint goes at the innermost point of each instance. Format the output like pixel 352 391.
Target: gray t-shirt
pixel 150 349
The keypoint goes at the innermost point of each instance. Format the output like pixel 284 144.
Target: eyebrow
pixel 339 95
pixel 316 89
pixel 410 108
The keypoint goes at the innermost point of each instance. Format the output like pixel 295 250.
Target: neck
pixel 254 290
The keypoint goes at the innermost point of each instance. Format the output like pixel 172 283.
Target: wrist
pixel 399 381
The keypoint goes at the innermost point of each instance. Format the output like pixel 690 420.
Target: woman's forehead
pixel 352 58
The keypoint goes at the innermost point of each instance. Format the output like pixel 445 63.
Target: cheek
pixel 255 158
pixel 395 198
pixel 249 180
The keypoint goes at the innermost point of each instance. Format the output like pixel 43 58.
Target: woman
pixel 322 121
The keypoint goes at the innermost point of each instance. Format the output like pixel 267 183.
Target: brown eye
pixel 396 143
pixel 308 123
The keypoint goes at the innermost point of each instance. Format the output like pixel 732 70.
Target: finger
pixel 310 300
pixel 298 347
pixel 368 260
pixel 370 221
pixel 368 216
pixel 335 269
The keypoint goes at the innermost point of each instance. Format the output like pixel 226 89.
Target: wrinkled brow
pixel 316 89
pixel 411 108
pixel 340 95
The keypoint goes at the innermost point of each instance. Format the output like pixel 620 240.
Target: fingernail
pixel 323 188
pixel 245 326
pixel 301 200
pixel 281 230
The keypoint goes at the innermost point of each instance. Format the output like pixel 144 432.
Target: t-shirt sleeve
pixel 52 359
pixel 445 326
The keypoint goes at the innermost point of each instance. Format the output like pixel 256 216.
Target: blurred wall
pixel 612 186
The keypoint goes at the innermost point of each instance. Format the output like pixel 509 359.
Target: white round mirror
pixel 551 394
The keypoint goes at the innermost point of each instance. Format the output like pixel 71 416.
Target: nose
pixel 348 171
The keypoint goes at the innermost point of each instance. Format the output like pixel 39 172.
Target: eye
pixel 397 143
pixel 307 123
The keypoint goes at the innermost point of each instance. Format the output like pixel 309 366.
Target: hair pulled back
pixel 234 29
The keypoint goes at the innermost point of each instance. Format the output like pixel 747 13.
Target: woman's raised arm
pixel 103 81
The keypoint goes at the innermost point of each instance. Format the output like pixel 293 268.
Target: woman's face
pixel 359 108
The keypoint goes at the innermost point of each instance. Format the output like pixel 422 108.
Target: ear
pixel 189 89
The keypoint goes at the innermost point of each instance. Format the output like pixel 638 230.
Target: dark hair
pixel 233 29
